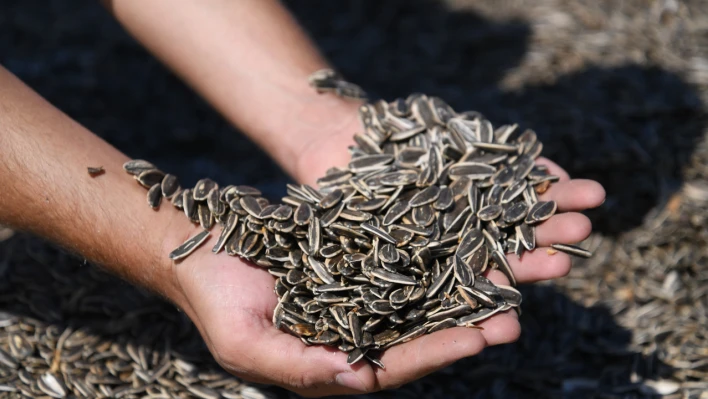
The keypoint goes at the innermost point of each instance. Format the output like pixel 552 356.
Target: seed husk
pixel 483 298
pixel 515 212
pixel 427 196
pixel 379 233
pixel 321 271
pixel 444 200
pixel 572 250
pixel 53 386
pixel 154 196
pixel 303 214
pixel 205 216
pixel 389 254
pixel 385 337
pixel 504 265
pixel 463 271
pixel 513 191
pixel 453 312
pixel 470 243
pixel 247 191
pixel 541 211
pixel 282 213
pixel 150 177
pixel 439 281
pixel 190 245
pixel 393 277
pixel 473 170
pixel 368 163
pixel 355 355
pixel 526 235
pixel 367 205
pixel 332 214
pixel 424 215
pixel 478 316
pixel 331 199
pixel 495 147
pixel 396 212
pixel 202 189
pixel 314 234
pixel 137 166
pixel 511 295
pixel 490 212
pixel 324 337
pixel 442 325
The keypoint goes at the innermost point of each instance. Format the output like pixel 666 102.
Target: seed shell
pixel 190 245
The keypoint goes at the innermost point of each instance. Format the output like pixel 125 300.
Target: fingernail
pixel 350 380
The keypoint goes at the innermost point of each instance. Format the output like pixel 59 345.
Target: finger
pixel 497 277
pixel 308 370
pixel 502 328
pixel 426 354
pixel 432 352
pixel 563 228
pixel 538 265
pixel 553 168
pixel 575 195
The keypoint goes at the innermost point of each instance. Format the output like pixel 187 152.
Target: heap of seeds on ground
pixel 397 243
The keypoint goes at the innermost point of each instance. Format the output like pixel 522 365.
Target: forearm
pixel 47 190
pixel 250 60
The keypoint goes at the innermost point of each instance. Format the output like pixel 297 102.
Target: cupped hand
pixel 231 301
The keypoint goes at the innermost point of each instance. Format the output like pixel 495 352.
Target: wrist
pixel 326 127
pixel 177 230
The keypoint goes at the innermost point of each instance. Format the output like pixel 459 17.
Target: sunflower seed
pixel 137 166
pixel 202 189
pixel 303 214
pixel 379 233
pixel 515 212
pixel 511 295
pixel 513 191
pixel 463 271
pixel 190 245
pixel 540 211
pixel 472 170
pixel 331 199
pixel 442 325
pixel 150 177
pixel 526 235
pixel 504 265
pixel 393 277
pixel 428 195
pixel 154 196
pixel 368 163
pixel 572 250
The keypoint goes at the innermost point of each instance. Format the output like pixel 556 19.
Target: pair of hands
pixel 232 301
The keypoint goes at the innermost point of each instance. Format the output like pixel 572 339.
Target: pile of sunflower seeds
pixel 48 361
pixel 396 244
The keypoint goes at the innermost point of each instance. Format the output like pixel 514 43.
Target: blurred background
pixel 616 90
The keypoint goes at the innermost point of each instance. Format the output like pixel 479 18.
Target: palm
pixel 234 301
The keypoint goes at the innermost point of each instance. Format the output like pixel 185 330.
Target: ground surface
pixel 615 89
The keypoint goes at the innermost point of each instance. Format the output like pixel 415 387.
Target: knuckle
pixel 305 380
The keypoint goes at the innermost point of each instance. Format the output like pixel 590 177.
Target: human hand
pixel 232 301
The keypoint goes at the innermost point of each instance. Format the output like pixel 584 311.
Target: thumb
pixel 310 371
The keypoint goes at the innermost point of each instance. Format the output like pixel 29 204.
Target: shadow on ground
pixel 631 127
